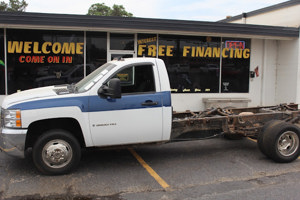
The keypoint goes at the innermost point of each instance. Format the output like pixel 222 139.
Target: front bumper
pixel 12 141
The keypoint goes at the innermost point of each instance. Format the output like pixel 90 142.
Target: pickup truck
pixel 128 102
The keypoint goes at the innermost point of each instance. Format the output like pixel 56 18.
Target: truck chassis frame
pixel 238 122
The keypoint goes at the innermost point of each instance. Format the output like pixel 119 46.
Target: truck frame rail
pixel 247 122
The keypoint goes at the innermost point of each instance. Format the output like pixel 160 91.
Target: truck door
pixel 134 118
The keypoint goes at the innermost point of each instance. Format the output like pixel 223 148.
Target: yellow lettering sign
pixel 146 40
pixel 141 50
pixel 36 48
pixel 28 47
pixel 14 47
pixel 56 48
pixel 79 48
pixel 208 52
pixel 246 53
pixel 200 52
pixel 169 51
pixel 194 51
pixel 152 50
pixel 68 48
pixel 161 50
pixel 44 47
pixel 186 51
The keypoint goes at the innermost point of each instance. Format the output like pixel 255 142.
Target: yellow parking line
pixel 7 150
pixel 253 140
pixel 149 169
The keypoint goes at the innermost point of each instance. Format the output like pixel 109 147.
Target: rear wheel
pixel 281 142
pixel 56 152
pixel 260 138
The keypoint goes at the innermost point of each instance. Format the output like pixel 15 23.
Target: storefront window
pixel 121 41
pixel 37 58
pixel 147 45
pixel 235 65
pixel 2 65
pixel 96 50
pixel 40 58
pixel 193 63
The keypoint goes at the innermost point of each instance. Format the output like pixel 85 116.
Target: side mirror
pixel 113 90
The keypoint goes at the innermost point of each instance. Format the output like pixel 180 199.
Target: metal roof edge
pixel 65 21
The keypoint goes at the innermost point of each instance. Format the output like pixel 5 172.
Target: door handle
pixel 150 103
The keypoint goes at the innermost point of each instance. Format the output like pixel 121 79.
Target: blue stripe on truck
pixel 96 104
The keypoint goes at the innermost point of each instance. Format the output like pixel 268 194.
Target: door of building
pixel 121 45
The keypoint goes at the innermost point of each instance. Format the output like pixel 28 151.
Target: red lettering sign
pixel 235 44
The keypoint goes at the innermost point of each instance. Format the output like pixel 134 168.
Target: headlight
pixel 12 118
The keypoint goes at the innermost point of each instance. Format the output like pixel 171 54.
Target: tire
pixel 281 142
pixel 56 152
pixel 260 138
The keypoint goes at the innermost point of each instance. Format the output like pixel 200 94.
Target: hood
pixel 28 95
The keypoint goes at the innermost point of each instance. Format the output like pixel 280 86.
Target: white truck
pixel 128 102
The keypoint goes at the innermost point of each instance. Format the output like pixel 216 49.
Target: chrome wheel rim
pixel 57 153
pixel 288 143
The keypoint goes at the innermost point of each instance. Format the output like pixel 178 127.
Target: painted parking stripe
pixel 149 169
pixel 7 150
pixel 253 140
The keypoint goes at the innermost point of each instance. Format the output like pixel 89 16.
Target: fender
pixel 67 107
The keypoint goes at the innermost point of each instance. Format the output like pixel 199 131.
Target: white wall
pixel 269 68
pixel 289 16
pixel 194 102
pixel 288 72
pixel 256 59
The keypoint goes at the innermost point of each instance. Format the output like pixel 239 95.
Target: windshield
pixel 89 81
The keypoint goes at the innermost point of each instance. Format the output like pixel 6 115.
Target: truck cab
pixel 122 102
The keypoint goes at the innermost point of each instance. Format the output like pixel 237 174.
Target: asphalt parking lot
pixel 206 169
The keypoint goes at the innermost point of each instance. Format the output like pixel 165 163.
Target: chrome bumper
pixel 12 141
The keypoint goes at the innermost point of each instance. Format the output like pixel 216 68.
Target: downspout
pixel 298 75
pixel 244 18
pixel 263 74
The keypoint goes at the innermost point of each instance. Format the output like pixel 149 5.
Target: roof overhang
pixel 24 20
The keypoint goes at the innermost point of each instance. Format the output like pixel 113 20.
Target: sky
pixel 200 10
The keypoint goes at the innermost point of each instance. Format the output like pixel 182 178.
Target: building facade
pixel 282 14
pixel 241 65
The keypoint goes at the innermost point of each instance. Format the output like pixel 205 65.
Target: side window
pixel 137 79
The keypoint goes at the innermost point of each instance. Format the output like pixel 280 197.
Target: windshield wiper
pixel 71 87
pixel 75 89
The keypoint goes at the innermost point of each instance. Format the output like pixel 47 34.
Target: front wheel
pixel 281 142
pixel 56 152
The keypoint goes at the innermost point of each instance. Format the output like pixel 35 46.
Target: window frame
pixel 135 65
